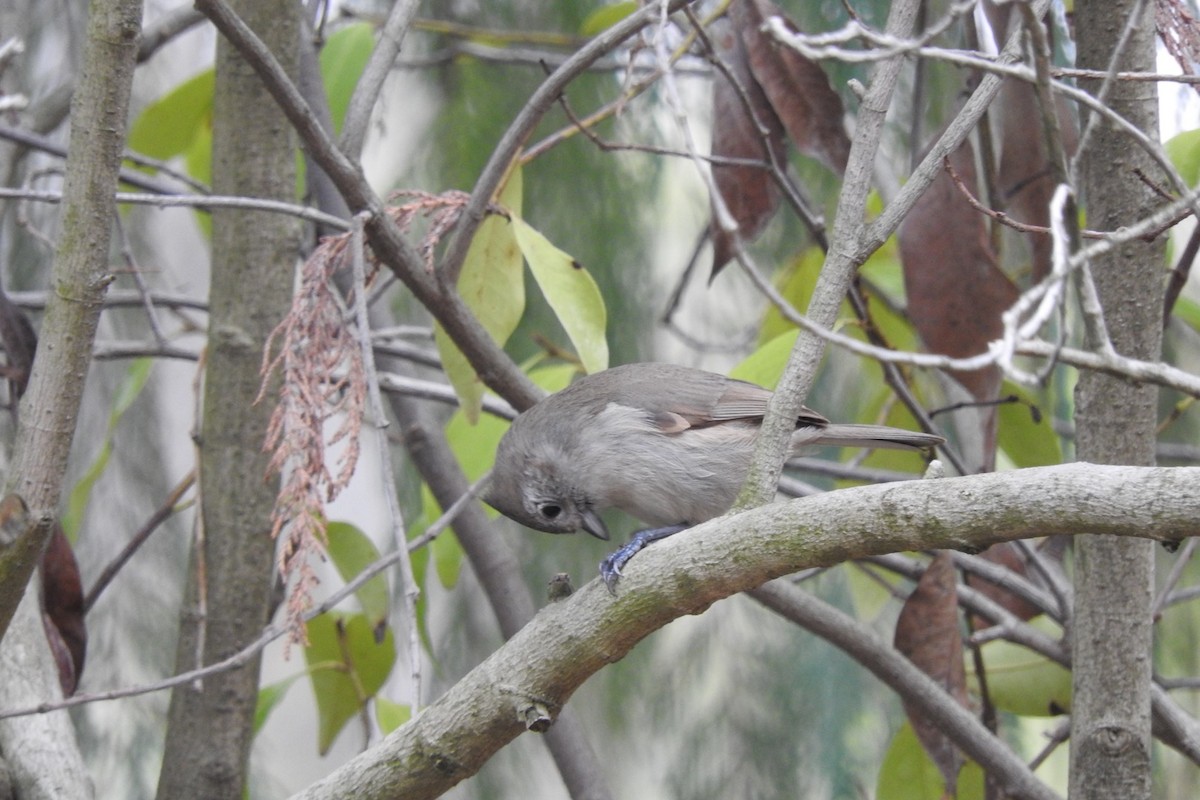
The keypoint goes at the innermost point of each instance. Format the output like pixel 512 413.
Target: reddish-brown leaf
pixel 1008 555
pixel 927 632
pixel 20 342
pixel 749 192
pixel 62 609
pixel 1025 180
pixel 956 291
pixel 799 90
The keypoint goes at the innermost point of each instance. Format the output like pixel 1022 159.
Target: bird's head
pixel 532 492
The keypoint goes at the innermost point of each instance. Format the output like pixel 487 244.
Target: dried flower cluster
pixel 322 377
pixel 320 358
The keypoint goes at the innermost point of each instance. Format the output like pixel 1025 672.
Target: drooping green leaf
pixel 391 715
pixel 1026 437
pixel 169 126
pixel 606 16
pixel 269 697
pixel 492 285
pixel 1021 681
pixel 571 291
pixel 1184 151
pixel 1187 310
pixel 352 551
pixel 795 282
pixel 908 774
pixel 132 385
pixel 342 61
pixel 348 668
pixel 765 365
pixel 447 559
pixel 419 559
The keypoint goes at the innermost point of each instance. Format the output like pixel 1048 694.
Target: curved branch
pixel 569 641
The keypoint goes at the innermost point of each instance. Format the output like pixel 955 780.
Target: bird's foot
pixel 610 567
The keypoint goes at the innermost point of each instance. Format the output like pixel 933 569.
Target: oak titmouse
pixel 669 445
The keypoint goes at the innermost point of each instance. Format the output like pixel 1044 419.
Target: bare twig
pixel 411 591
pixel 160 515
pixel 366 91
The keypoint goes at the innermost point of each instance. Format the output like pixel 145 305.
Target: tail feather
pixel 871 436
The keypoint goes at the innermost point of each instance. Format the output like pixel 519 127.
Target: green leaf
pixel 420 563
pixel 1021 681
pixel 269 697
pixel 342 61
pixel 391 715
pixel 447 559
pixel 1184 152
pixel 492 285
pixel 605 17
pixel 352 551
pixel 571 291
pixel 795 282
pixel 169 126
pixel 1187 310
pixel 1027 442
pixel 765 365
pixel 908 774
pixel 81 493
pixel 347 669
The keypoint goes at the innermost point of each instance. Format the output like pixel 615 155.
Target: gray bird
pixel 669 445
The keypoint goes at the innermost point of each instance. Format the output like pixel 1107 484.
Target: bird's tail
pixel 853 435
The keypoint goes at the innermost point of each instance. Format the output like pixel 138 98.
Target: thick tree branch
pixel 569 641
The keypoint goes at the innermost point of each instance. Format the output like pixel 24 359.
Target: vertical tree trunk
pixel 40 755
pixel 1116 420
pixel 210 727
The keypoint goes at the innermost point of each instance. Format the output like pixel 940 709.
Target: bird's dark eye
pixel 550 510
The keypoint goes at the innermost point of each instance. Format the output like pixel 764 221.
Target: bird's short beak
pixel 594 525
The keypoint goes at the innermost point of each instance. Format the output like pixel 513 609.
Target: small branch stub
pixel 536 717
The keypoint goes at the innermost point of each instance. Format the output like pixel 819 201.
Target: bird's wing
pixel 677 398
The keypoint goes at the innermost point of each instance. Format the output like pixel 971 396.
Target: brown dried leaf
pixel 927 632
pixel 1025 180
pixel 62 609
pixel 956 291
pixel 20 342
pixel 799 90
pixel 749 192
pixel 1008 555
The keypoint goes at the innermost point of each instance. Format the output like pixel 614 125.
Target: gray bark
pixel 209 727
pixel 1112 625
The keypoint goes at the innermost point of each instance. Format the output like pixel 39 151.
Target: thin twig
pixel 366 90
pixel 410 591
pixel 160 515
